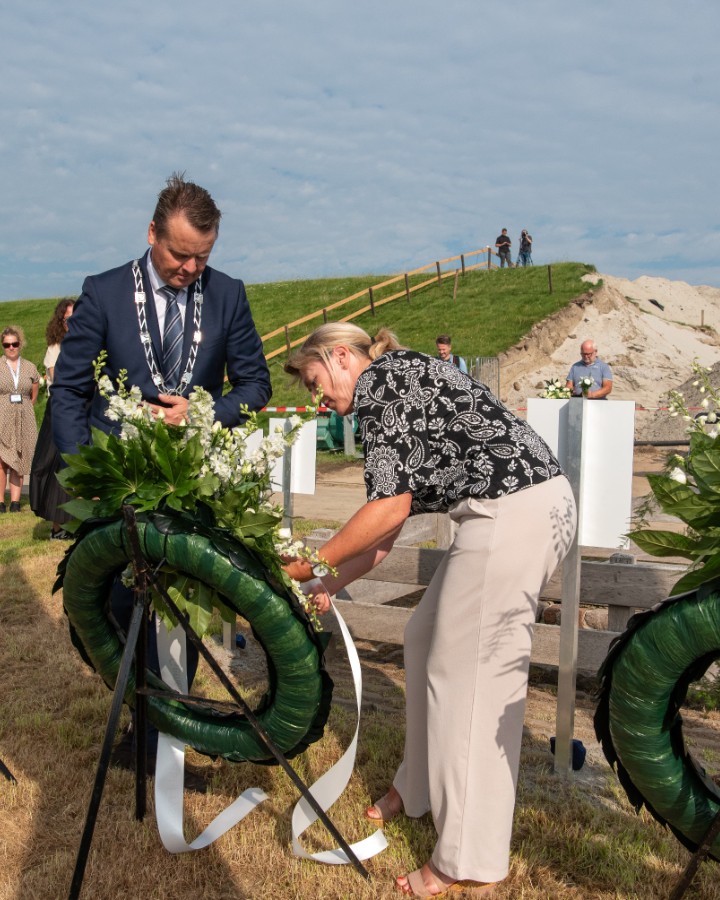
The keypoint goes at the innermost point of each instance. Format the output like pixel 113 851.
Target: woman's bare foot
pixel 430 882
pixel 385 809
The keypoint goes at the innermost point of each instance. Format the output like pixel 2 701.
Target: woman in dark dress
pixel 46 494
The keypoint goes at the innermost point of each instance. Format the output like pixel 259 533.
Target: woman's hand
pixel 317 595
pixel 299 569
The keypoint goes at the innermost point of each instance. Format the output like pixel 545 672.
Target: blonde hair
pixel 16 331
pixel 320 344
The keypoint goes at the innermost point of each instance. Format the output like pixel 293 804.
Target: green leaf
pixel 705 467
pixel 682 501
pixel 665 543
pixel 80 509
pixel 696 577
pixel 255 524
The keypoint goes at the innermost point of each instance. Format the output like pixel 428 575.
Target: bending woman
pixel 435 440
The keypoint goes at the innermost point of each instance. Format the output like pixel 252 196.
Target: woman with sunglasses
pixel 19 382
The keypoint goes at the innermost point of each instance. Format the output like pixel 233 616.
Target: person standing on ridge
pixel 502 245
pixel 525 254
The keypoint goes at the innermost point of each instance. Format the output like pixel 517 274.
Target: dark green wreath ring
pixel 644 682
pixel 294 709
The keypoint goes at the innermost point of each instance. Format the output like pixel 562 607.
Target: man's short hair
pixel 193 201
pixel 443 339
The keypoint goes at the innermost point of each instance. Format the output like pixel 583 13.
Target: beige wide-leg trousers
pixel 467 654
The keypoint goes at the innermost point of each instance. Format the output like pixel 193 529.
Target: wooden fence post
pixel 372 301
pixel 325 316
pixel 407 287
pixel 457 272
pixel 462 263
pixel 437 266
pixel 550 288
pixel 489 259
pixel 287 338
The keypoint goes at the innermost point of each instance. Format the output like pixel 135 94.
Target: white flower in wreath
pixel 677 474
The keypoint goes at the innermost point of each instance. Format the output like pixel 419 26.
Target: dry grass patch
pixel 571 841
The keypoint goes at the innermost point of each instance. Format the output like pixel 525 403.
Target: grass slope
pixel 491 311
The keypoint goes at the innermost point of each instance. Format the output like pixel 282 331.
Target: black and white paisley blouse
pixel 432 431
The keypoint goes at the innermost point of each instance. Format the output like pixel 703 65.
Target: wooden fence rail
pixel 374 302
pixel 621 587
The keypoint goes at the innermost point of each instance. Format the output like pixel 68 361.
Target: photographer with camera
pixel 524 257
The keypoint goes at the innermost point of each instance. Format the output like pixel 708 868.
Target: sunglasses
pixel 12 344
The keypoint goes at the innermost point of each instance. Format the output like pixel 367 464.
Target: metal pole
pixel 567 664
pixel 7 773
pixel 349 435
pixel 702 851
pixel 136 622
pixel 287 478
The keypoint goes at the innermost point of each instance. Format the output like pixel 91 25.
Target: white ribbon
pixel 330 786
pixel 170 766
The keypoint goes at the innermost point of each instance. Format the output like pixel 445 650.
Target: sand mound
pixel 649 331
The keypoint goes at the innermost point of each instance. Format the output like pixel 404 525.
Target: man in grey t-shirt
pixel 599 371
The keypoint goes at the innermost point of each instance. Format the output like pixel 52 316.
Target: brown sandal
pixel 416 884
pixel 385 809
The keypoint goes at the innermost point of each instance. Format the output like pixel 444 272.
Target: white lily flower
pixel 677 474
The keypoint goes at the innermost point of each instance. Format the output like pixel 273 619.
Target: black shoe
pixel 3 508
pixel 123 757
pixel 123 754
pixel 60 535
pixel 15 506
pixel 195 782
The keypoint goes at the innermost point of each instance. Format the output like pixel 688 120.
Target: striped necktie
pixel 172 338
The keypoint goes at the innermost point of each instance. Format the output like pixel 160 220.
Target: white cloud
pixel 340 137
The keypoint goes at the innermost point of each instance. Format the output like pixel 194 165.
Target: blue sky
pixel 343 138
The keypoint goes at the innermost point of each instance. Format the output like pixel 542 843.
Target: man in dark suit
pixel 123 311
pixel 172 323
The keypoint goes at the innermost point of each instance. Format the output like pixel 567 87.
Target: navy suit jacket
pixel 105 318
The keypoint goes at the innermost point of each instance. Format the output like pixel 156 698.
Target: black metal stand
pixel 7 773
pixel 135 645
pixel 702 851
